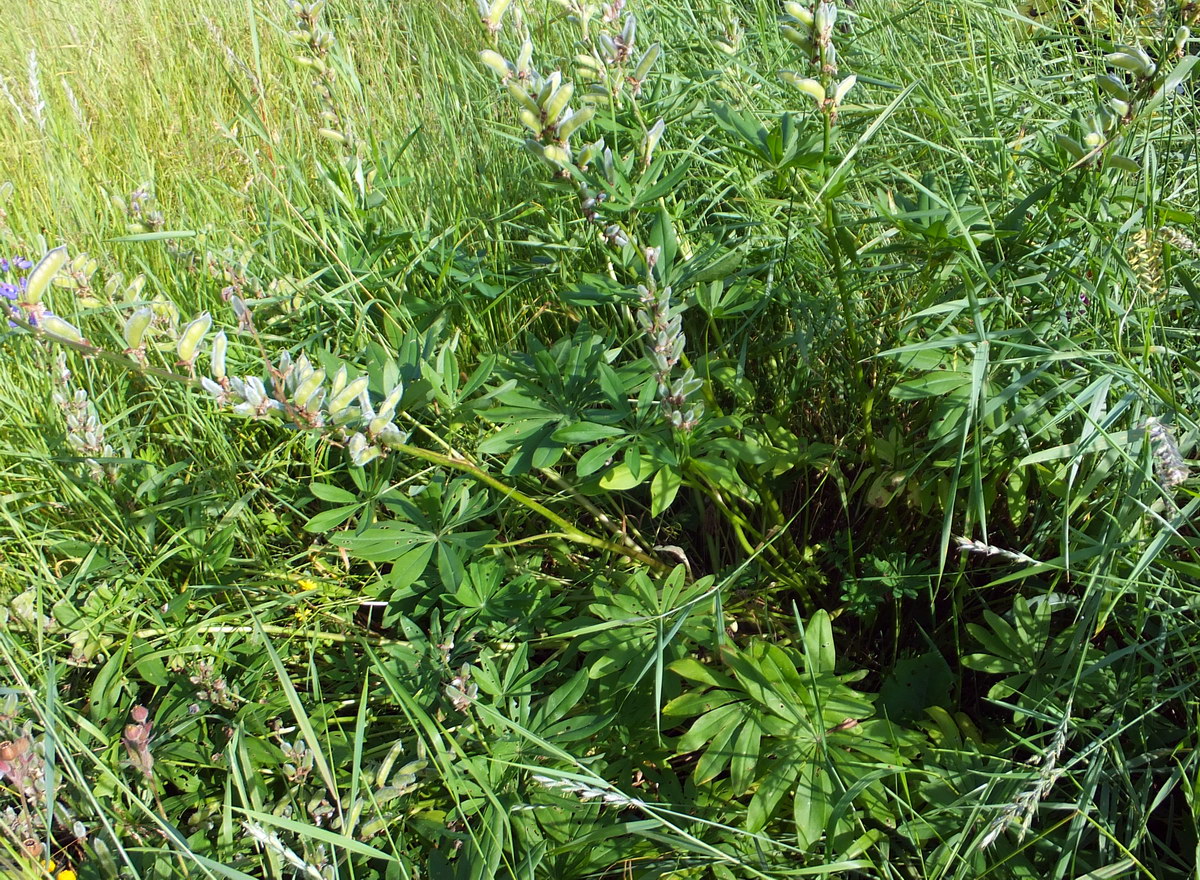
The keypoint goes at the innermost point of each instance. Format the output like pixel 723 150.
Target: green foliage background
pixel 906 590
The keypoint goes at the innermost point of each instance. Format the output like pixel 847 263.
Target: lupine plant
pixel 780 467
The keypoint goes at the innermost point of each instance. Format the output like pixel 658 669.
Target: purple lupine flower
pixel 22 263
pixel 9 291
pixel 4 264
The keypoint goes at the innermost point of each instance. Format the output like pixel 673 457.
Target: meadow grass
pixel 947 378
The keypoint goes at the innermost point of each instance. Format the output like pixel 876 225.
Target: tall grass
pixel 504 651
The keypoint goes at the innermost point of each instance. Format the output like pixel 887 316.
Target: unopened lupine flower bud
pixel 524 57
pixel 653 136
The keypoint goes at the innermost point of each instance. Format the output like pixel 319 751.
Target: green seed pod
pixel 339 381
pixel 534 148
pixel 220 347
pixel 330 135
pixel 1121 108
pixel 801 13
pixel 578 119
pixel 558 102
pixel 362 453
pixel 1182 34
pixel 522 97
pixel 653 136
pixel 1124 163
pixel 524 57
pixel 629 32
pixel 496 62
pixel 344 398
pixel 307 388
pixel 797 38
pixel 1071 145
pixel 135 327
pixel 809 86
pixel 134 290
pixel 647 61
pixel 589 63
pixel 1093 139
pixel 1133 59
pixel 56 326
pixel 531 121
pixel 192 336
pixel 556 155
pixel 549 87
pixel 1113 87
pixel 165 309
pixel 387 409
pixel 43 273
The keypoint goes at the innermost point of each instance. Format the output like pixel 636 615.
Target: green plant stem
pixel 272 630
pixel 570 532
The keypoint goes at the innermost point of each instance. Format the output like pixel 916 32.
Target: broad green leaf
pixel 813 803
pixel 330 519
pixel 744 764
pixel 719 752
pixel 818 642
pixel 777 783
pixel 335 494
pixel 586 432
pixel 663 489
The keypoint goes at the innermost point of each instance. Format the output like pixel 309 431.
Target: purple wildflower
pixel 22 263
pixel 9 291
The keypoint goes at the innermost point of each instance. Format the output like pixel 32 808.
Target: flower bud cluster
pixel 294 391
pixel 1134 79
pixel 12 280
pixel 313 42
pixel 85 432
pixel 137 741
pixel 613 62
pixel 76 276
pixel 298 392
pixel 662 324
pixel 139 209
pixel 543 105
pixel 811 29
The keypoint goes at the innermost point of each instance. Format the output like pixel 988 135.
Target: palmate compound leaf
pixel 781 723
